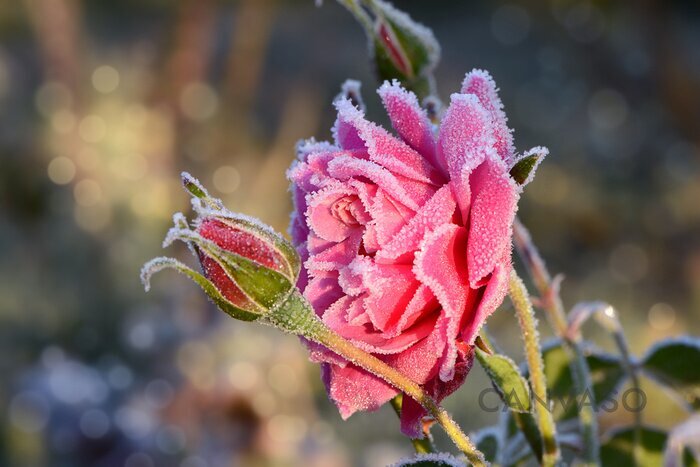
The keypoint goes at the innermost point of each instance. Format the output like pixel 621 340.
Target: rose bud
pixel 248 269
pixel 400 48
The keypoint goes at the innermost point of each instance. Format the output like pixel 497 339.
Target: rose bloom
pixel 406 239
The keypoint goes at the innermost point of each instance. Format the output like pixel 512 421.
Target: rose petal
pixel 437 211
pixel 494 202
pixel 481 84
pixel 441 265
pixel 353 389
pixel 383 148
pixel 369 340
pixel 410 121
pixel 323 290
pixel 327 256
pixel 493 295
pixel 412 412
pixel 465 135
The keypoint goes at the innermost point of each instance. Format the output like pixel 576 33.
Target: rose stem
pixel 552 304
pixel 533 354
pixel 422 445
pixel 296 315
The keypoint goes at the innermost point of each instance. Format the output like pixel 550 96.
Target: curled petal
pixel 481 84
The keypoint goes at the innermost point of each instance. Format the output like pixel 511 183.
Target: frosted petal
pixel 441 265
pixel 353 389
pixel 465 135
pixel 481 84
pixel 410 121
pixel 437 211
pixel 384 149
pixel 495 197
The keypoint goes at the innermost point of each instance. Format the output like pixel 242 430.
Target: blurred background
pixel 102 104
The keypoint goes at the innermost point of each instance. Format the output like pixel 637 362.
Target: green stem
pixel 295 315
pixel 622 346
pixel 423 445
pixel 533 355
pixel 355 8
pixel 552 304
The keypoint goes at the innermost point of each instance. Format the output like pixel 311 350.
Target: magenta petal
pixel 323 290
pixel 494 202
pixel 337 318
pixel 465 135
pixel 326 256
pixel 344 168
pixel 384 149
pixel 353 389
pixel 320 215
pixel 419 362
pixel 390 288
pixel 441 265
pixel 410 121
pixel 389 217
pixel 437 211
pixel 423 302
pixel 412 412
pixel 496 290
pixel 480 83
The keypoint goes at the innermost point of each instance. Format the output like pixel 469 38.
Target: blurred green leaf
pixel 618 449
pixel 506 379
pixel 675 363
pixel 607 373
pixel 487 441
pixel 441 459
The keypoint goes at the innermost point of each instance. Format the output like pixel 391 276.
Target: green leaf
pixel 441 459
pixel 675 363
pixel 527 425
pixel 607 373
pixel 506 379
pixel 524 168
pixel 617 450
pixel 158 264
pixel 487 441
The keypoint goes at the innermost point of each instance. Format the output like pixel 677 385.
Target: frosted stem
pixel 553 307
pixel 296 315
pixel 533 355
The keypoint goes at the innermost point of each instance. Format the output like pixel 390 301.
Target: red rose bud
pixel 403 49
pixel 248 268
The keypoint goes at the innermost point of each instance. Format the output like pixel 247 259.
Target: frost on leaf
pixel 440 459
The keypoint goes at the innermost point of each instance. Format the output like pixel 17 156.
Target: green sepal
pixel 158 264
pixel 523 171
pixel 264 286
pixel 506 379
pixel 270 237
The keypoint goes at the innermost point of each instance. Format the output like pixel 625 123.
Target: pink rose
pixel 406 240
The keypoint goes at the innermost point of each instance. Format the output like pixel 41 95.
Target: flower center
pixel 344 208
